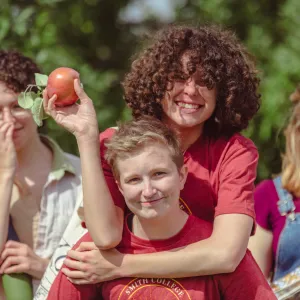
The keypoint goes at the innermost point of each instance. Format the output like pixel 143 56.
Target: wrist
pixel 126 268
pixel 87 140
pixel 6 176
pixel 42 268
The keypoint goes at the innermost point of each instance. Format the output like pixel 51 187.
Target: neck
pixel 187 135
pixel 35 153
pixel 159 228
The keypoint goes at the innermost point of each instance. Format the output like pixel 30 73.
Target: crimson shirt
pixel 220 179
pixel 246 283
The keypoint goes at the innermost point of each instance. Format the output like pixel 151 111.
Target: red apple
pixel 61 83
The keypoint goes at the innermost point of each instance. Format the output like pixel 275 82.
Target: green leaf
pixel 25 100
pixel 38 111
pixel 41 79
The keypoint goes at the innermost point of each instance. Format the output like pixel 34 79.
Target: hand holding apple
pixel 80 118
pixel 61 83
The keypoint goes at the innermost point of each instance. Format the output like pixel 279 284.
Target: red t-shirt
pixel 220 179
pixel 245 283
pixel 267 214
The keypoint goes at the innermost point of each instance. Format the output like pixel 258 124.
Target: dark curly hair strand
pixel 16 70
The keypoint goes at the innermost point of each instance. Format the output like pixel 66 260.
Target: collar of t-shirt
pixel 60 163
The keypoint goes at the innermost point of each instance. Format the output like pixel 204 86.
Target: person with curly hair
pixel 39 183
pixel 276 243
pixel 202 83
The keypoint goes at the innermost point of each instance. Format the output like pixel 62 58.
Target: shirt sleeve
pixel 237 174
pixel 110 180
pixel 262 199
pixel 246 283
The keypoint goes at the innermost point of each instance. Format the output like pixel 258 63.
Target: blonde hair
pixel 133 136
pixel 291 158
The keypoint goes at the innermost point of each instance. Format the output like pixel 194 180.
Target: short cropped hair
pixel 134 136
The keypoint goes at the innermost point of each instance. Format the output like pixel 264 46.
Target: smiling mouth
pixel 150 202
pixel 188 105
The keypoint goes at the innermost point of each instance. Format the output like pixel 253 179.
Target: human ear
pixel 119 186
pixel 183 172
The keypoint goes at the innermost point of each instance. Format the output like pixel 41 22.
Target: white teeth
pixel 188 105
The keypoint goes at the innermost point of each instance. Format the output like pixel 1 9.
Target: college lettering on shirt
pixel 154 288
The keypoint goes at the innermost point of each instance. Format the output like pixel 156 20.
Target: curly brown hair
pixel 16 70
pixel 223 61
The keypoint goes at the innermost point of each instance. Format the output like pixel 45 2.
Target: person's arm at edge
pixel 103 218
pixel 6 186
pixel 220 253
pixel 260 246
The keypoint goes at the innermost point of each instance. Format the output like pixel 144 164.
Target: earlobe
pixel 119 187
pixel 183 175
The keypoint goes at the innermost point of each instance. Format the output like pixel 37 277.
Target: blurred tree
pixel 94 37
pixel 84 35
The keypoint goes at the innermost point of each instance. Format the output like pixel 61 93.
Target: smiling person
pixel 201 82
pixel 39 183
pixel 147 163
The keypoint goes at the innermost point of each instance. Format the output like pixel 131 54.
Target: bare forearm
pixel 201 258
pixel 100 212
pixel 6 185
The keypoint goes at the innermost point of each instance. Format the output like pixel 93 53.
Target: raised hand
pixel 79 119
pixel 8 160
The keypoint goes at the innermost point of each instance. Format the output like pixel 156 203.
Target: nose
pixel 8 115
pixel 148 189
pixel 190 87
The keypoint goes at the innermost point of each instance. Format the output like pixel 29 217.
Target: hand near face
pixel 79 119
pixel 20 258
pixel 8 160
pixel 91 265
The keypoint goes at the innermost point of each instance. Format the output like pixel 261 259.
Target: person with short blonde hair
pixel 149 170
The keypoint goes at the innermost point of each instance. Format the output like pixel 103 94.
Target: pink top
pixel 267 214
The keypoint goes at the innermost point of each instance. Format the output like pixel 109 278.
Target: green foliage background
pixel 90 36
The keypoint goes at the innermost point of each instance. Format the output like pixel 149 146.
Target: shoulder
pixel 265 191
pixel 238 143
pixel 107 133
pixel 75 162
pixel 236 148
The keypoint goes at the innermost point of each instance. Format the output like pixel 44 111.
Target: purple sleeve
pixel 263 196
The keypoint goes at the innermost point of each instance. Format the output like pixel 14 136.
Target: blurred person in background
pixel 39 183
pixel 202 83
pixel 276 243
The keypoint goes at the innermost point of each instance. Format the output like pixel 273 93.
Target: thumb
pixel 84 98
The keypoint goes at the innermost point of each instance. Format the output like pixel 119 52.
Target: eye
pixel 159 174
pixel 132 180
pixel 17 106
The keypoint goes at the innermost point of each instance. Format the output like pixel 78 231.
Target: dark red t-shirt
pixel 220 179
pixel 267 214
pixel 246 283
